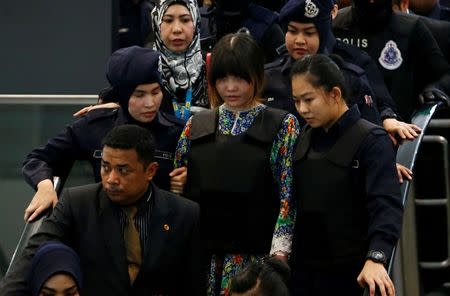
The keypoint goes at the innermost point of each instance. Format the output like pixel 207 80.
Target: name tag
pixel 164 155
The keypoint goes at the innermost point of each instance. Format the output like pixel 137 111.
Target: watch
pixel 376 256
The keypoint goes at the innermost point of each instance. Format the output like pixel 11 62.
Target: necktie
pixel 132 244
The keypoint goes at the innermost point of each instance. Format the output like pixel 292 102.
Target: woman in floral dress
pixel 239 165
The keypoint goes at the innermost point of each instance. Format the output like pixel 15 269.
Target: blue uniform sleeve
pixel 384 202
pixel 56 158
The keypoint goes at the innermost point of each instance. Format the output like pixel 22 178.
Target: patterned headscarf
pixel 180 71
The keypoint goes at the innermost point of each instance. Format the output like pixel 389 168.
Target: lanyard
pixel 185 111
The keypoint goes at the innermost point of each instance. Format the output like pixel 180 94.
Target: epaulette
pixel 353 68
pixel 101 113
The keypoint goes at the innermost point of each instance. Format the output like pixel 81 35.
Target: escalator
pixel 407 155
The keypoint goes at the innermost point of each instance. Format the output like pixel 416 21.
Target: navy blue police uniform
pixel 278 89
pixel 82 140
pixel 319 13
pixel 404 50
pixel 349 203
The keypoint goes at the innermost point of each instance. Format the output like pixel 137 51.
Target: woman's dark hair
pixel 238 55
pixel 130 136
pixel 322 71
pixel 265 278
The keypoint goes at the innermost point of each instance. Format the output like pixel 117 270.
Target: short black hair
pixel 322 71
pixel 130 136
pixel 269 277
pixel 239 55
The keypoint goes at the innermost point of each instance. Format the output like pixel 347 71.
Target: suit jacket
pixel 86 219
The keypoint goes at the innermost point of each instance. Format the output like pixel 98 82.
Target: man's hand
pixel 44 198
pixel 404 131
pixel 87 109
pixel 178 179
pixel 375 275
pixel 403 171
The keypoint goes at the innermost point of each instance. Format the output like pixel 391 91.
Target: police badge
pixel 311 9
pixel 390 57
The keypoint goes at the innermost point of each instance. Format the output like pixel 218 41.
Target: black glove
pixel 434 95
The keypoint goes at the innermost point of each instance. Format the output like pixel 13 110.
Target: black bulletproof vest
pixel 231 179
pixel 331 227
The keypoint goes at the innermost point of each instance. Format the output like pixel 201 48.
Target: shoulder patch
pixel 353 68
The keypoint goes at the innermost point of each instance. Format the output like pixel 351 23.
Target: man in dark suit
pixel 158 254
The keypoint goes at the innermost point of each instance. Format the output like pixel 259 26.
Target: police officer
pixel 404 49
pixel 305 19
pixel 232 15
pixel 349 204
pixel 134 77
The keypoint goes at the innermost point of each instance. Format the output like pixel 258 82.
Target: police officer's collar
pixel 346 120
pixel 161 119
pixel 289 61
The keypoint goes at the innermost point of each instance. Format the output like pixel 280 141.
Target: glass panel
pixel 22 128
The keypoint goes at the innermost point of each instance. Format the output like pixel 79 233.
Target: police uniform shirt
pixel 351 54
pixel 404 51
pixel 278 89
pixel 82 140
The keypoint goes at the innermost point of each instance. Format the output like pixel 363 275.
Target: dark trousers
pixel 309 282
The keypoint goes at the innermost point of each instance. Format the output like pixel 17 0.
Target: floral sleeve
pixel 183 146
pixel 281 165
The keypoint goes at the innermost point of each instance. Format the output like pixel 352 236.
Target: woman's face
pixel 59 285
pixel 177 28
pixel 301 39
pixel 145 101
pixel 318 107
pixel 236 92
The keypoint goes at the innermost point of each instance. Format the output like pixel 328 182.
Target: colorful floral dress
pixel 223 268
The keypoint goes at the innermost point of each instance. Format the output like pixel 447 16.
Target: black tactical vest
pixel 231 179
pixel 331 227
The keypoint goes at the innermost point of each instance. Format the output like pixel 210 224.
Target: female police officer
pixel 309 31
pixel 134 77
pixel 349 206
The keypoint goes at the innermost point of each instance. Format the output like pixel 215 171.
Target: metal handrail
pixel 47 99
pixel 32 227
pixel 440 202
pixel 407 154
